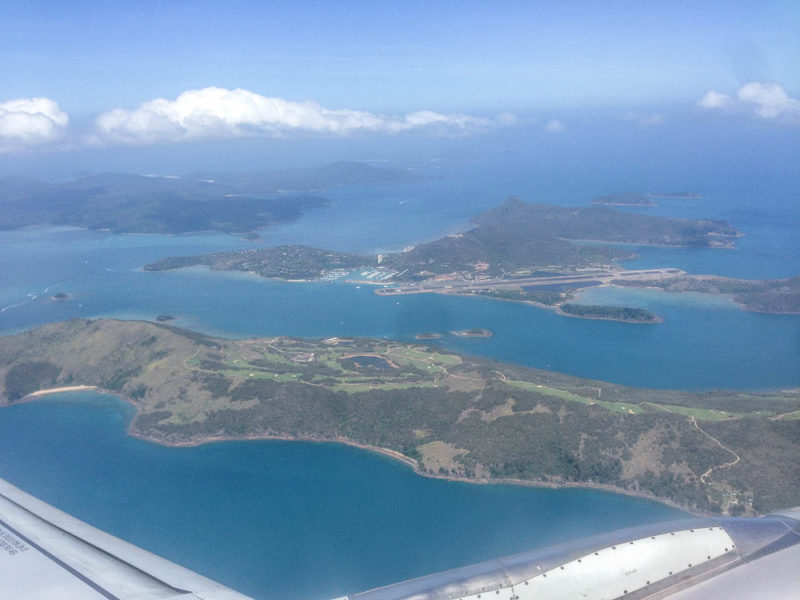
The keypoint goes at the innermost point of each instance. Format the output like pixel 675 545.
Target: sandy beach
pixel 69 388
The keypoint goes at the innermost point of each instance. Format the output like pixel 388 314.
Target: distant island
pixel 59 297
pixel 237 203
pixel 774 296
pixel 518 251
pixel 625 199
pixel 517 238
pixel 475 332
pixel 524 253
pixel 428 335
pixel 681 195
pixel 625 314
pixel 445 414
pixel 292 263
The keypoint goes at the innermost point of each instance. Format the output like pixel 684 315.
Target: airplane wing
pixel 46 554
pixel 691 559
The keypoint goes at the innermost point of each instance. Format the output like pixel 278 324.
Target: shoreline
pixel 557 307
pixel 413 464
pixel 655 321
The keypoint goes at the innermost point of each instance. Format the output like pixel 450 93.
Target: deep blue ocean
pixel 299 520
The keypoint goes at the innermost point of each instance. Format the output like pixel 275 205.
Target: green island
pixel 447 415
pixel 524 253
pixel 517 251
pixel 238 203
pixel 626 314
pixel 774 296
pixel 298 263
pixel 513 238
pixel 625 199
pixel 518 237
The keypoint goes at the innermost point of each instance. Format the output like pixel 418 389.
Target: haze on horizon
pixel 166 82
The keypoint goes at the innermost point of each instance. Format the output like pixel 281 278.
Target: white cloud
pixel 764 100
pixel 713 99
pixel 27 122
pixel 554 126
pixel 221 113
pixel 768 100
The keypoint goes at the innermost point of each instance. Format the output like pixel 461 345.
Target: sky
pixel 80 75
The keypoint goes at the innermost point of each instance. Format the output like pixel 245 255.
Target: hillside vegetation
pixel 776 296
pixel 225 202
pixel 512 237
pixel 451 415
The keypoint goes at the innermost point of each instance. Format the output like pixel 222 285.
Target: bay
pixel 291 520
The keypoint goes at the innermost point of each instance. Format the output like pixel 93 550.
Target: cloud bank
pixel 29 122
pixel 221 113
pixel 763 100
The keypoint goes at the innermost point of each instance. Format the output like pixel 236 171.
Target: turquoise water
pixel 265 516
pixel 284 519
pixel 700 344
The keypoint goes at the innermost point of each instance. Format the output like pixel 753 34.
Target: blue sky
pixel 385 58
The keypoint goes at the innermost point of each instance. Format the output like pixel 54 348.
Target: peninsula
pixel 237 203
pixel 445 414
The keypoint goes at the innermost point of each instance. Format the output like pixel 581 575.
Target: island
pixel 773 296
pixel 517 251
pixel 445 414
pixel 518 238
pixel 428 335
pixel 59 297
pixel 677 195
pixel 625 314
pixel 237 203
pixel 625 199
pixel 294 263
pixel 475 332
